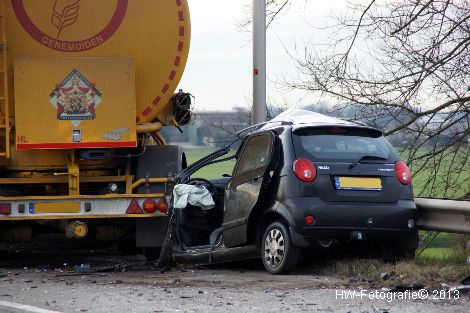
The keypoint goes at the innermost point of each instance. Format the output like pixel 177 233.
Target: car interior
pixel 198 227
pixel 201 227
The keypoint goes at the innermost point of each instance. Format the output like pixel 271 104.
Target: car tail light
pixel 403 173
pixel 149 206
pixel 162 205
pixel 5 208
pixel 304 170
pixel 134 208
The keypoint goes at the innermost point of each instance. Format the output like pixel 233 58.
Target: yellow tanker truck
pixel 86 87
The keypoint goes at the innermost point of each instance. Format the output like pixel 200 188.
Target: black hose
pixel 165 260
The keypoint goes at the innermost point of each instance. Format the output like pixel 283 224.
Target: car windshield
pixel 342 144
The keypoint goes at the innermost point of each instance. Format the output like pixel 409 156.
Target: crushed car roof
pixel 296 116
pixel 300 119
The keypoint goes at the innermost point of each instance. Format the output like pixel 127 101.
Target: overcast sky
pixel 219 68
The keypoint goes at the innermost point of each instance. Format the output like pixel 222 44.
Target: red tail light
pixel 149 206
pixel 309 220
pixel 403 173
pixel 162 205
pixel 5 208
pixel 304 170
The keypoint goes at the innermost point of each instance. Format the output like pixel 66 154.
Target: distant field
pixel 212 171
pixel 432 179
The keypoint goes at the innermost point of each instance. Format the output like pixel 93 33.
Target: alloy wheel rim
pixel 274 248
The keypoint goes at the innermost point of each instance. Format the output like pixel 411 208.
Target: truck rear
pixel 86 88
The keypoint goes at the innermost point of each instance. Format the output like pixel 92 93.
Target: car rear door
pixel 247 181
pixel 353 165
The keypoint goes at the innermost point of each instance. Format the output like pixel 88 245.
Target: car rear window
pixel 341 144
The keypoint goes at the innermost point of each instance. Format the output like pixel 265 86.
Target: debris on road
pixel 87 269
pixel 461 289
pixel 409 287
pixel 466 280
pixel 83 268
pixel 385 276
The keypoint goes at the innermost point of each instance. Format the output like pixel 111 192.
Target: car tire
pixel 278 253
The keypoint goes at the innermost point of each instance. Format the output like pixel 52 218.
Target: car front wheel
pixel 279 254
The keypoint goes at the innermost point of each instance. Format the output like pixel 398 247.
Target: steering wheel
pixel 203 182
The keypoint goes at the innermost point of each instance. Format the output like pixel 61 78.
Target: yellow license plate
pixel 57 207
pixel 358 183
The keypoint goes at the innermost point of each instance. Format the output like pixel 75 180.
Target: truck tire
pixel 278 253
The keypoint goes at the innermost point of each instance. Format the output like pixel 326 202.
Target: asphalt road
pixel 56 281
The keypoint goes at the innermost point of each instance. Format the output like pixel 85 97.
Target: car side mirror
pixel 226 175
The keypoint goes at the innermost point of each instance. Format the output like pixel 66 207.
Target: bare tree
pixel 274 8
pixel 404 67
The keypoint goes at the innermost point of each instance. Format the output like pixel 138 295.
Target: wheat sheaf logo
pixel 66 13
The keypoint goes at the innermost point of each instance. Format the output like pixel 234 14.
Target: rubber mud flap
pixel 165 260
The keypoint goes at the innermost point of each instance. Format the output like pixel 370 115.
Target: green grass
pixel 445 248
pixel 211 171
pixel 443 240
pixel 430 274
pixel 441 262
pixel 431 176
pixel 440 255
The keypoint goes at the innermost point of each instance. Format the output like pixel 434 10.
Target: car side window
pixel 255 154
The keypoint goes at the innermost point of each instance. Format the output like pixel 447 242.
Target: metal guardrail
pixel 452 216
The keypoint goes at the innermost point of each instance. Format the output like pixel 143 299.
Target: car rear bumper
pixel 352 220
pixel 305 237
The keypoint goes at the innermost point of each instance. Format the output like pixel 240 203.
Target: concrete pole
pixel 259 61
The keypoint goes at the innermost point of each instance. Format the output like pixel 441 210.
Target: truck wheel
pixel 279 254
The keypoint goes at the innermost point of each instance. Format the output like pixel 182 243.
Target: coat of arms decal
pixel 75 99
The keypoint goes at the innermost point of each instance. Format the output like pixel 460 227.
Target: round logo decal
pixel 67 27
